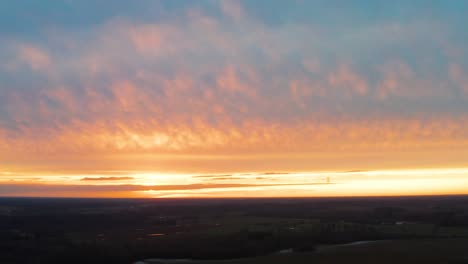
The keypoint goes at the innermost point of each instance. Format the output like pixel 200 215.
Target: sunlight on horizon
pixel 253 184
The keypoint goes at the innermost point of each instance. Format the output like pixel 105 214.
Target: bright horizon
pixel 240 185
pixel 233 98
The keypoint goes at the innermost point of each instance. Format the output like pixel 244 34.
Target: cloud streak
pixel 106 178
pixel 54 190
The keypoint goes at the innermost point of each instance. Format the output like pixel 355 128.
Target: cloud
pixel 106 178
pixel 458 75
pixel 34 57
pixel 226 82
pixel 233 9
pixel 213 176
pixel 54 190
pixel 344 78
pixel 226 178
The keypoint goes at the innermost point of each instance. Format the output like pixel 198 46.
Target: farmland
pixel 429 229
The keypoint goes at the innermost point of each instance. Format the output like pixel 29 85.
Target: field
pixel 400 230
pixel 399 251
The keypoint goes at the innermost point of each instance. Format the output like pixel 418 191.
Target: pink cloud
pixel 229 81
pixel 34 57
pixel 345 78
pixel 233 9
pixel 458 76
pixel 203 85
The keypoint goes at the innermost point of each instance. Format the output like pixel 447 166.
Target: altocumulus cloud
pixel 224 78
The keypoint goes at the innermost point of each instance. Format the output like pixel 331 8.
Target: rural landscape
pixel 312 230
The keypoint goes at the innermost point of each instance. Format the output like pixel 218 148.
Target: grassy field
pixel 428 251
pixel 409 230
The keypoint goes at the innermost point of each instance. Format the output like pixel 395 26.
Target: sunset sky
pixel 260 98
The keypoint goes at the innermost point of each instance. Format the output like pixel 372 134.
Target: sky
pixel 264 98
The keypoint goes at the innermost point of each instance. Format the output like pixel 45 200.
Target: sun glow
pixel 150 179
pixel 252 184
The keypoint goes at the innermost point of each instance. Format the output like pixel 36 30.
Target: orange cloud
pixel 199 87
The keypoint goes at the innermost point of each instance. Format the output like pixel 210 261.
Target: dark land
pixel 432 229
